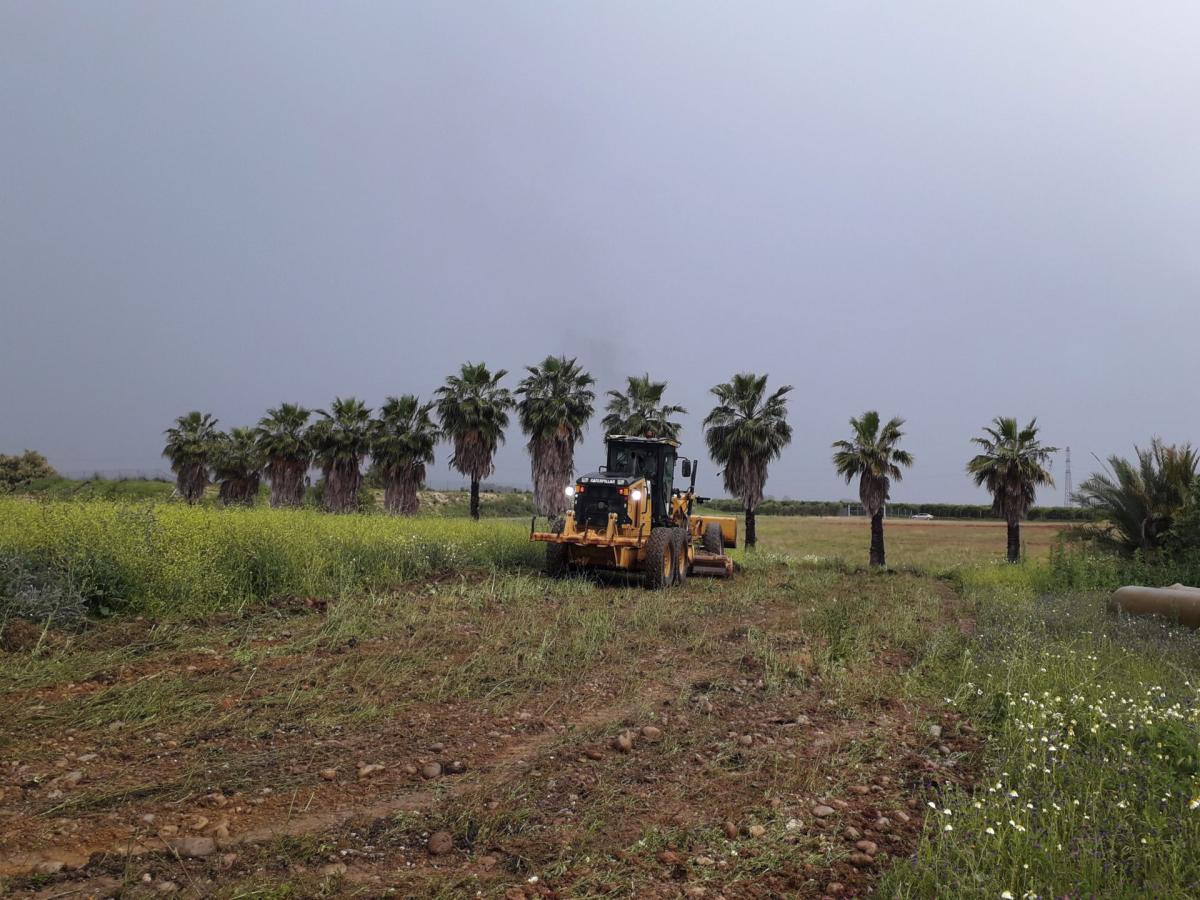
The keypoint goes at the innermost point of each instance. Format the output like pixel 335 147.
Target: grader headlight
pixel 636 495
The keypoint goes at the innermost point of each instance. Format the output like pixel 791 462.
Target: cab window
pixel 668 476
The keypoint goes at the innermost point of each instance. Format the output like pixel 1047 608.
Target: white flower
pixel 990 830
pixel 1006 895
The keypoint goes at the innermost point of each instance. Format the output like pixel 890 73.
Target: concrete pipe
pixel 1178 603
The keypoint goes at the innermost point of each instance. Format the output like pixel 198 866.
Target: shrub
pixel 1139 498
pixel 21 469
pixel 32 591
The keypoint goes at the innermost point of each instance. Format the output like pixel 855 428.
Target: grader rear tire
pixel 660 559
pixel 557 560
pixel 712 540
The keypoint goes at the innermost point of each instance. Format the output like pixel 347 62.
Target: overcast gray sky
pixel 946 211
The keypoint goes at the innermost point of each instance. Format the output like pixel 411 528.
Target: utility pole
pixel 1067 481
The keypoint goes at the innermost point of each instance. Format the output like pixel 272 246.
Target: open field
pixel 935 545
pixel 470 728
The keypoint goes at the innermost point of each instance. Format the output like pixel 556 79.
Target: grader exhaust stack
pixel 629 516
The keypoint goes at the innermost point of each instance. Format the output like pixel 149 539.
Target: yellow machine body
pixel 623 538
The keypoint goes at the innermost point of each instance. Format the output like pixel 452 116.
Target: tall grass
pixel 159 557
pixel 1083 566
pixel 1091 785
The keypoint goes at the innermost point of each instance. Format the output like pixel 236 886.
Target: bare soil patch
pixel 750 738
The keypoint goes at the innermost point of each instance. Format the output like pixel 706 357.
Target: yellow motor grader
pixel 629 516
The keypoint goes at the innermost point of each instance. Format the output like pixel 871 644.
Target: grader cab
pixel 630 516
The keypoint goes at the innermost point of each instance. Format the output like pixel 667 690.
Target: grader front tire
pixel 557 560
pixel 661 557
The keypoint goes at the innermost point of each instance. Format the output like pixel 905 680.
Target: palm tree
pixel 190 445
pixel 640 410
pixel 283 438
pixel 1012 468
pixel 340 440
pixel 873 457
pixel 1141 497
pixel 474 409
pixel 745 431
pixel 556 402
pixel 402 442
pixel 237 464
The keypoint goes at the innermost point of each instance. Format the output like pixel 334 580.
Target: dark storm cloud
pixel 945 211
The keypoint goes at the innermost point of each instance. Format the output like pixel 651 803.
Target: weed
pixel 1093 733
pixel 167 557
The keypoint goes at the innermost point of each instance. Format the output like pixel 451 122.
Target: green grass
pixel 452 504
pixel 59 488
pixel 1093 750
pixel 160 557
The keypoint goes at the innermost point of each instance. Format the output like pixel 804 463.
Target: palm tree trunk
pixel 332 499
pixel 287 483
pixel 238 491
pixel 342 481
pixel 400 495
pixel 191 482
pixel 393 495
pixel 751 538
pixel 1014 540
pixel 475 499
pixel 410 500
pixel 877 553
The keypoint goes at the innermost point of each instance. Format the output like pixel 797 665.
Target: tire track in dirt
pixel 504 765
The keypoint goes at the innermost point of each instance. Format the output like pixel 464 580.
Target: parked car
pixel 922 515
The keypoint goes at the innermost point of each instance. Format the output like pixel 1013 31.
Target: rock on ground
pixel 195 846
pixel 440 843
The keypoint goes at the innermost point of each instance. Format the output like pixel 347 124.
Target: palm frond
pixel 745 433
pixel 1012 464
pixel 473 409
pixel 871 455
pixel 640 410
pixel 556 403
